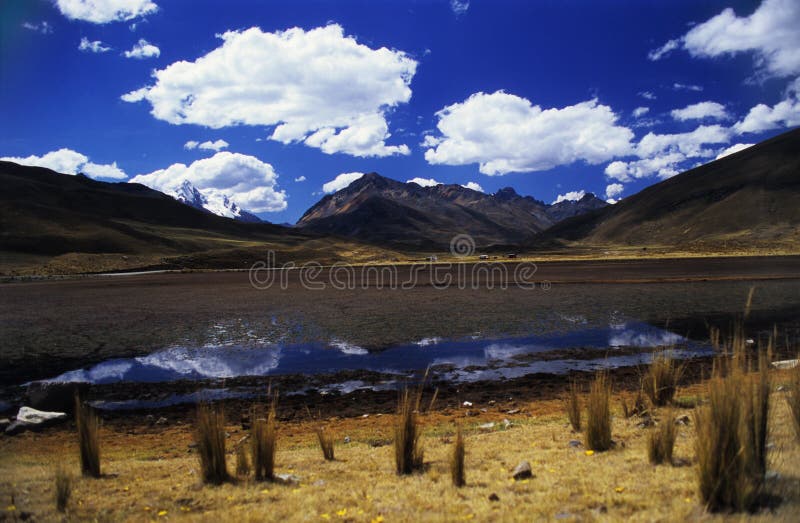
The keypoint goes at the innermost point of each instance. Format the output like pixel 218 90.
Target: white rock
pixel 467 404
pixel 785 364
pixel 32 419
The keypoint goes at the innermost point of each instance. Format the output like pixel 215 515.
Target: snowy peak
pixel 211 201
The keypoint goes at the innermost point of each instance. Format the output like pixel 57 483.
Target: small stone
pixel 782 388
pixel 575 444
pixel 467 404
pixel 347 439
pixel 469 413
pixel 513 411
pixel 492 402
pixel 32 419
pixel 287 479
pixel 522 471
pixel 494 497
pixel 487 426
pixel 682 420
pixel 365 415
pixel 161 421
pixel 772 474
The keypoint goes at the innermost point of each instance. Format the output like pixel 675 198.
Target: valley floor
pixel 151 472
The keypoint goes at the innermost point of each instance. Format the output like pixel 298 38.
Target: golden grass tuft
pixel 573 406
pixel 242 462
pixel 661 380
pixel 598 414
pixel 88 427
pixel 63 488
pixel 264 437
pixel 457 471
pixel 661 441
pixel 325 439
pixel 793 398
pixel 407 449
pixel 210 434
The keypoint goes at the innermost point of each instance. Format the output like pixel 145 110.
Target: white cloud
pixel 94 46
pixel 424 182
pixel 39 27
pixel 647 95
pixel 340 182
pixel 459 7
pixel 733 149
pixel 68 161
pixel 248 181
pixel 105 11
pixel 687 87
pixel 614 189
pixel 300 179
pixel 474 186
pixel 216 145
pixel 762 117
pixel 699 111
pixel 572 196
pixel 640 111
pixel 664 50
pixel 505 133
pixel 318 87
pixel 771 33
pixel 143 49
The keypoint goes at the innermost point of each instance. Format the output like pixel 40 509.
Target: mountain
pixel 51 222
pixel 385 211
pixel 746 200
pixel 211 201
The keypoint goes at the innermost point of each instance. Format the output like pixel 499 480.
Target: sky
pixel 273 104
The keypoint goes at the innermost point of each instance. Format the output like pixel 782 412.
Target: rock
pixel 365 416
pixel 32 419
pixel 647 421
pixel 749 341
pixel 467 404
pixel 161 421
pixel 54 396
pixel 513 411
pixel 522 471
pixel 287 479
pixel 772 474
pixel 487 426
pixel 682 420
pixel 347 439
pixel 575 444
pixel 506 424
pixel 494 497
pixel 470 413
pixel 781 388
pixel 785 364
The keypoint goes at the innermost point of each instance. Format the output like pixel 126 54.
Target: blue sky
pixel 537 95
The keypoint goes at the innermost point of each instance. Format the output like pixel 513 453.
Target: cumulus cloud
pixel 762 117
pixel 300 179
pixel 771 33
pixel 318 87
pixel 663 155
pixel 68 161
pixel 39 27
pixel 94 46
pixel 248 181
pixel 647 95
pixel 613 190
pixel 424 182
pixel 143 49
pixel 699 111
pixel 474 186
pixel 733 149
pixel 640 111
pixel 506 133
pixel 572 196
pixel 340 182
pixel 105 11
pixel 459 7
pixel 216 145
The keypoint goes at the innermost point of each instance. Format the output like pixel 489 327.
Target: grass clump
pixel 457 460
pixel 63 488
pixel 407 450
pixel 573 406
pixel 88 426
pixel 598 414
pixel 732 434
pixel 264 436
pixel 661 380
pixel 793 398
pixel 325 439
pixel 242 462
pixel 661 442
pixel 211 443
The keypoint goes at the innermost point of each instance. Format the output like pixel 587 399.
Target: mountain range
pixel 380 210
pixel 211 201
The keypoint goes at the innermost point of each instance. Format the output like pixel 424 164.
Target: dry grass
pixel 457 472
pixel 63 488
pixel 661 380
pixel 793 398
pixel 242 462
pixel 325 439
pixel 407 449
pixel 264 438
pixel 598 414
pixel 661 442
pixel 88 425
pixel 211 443
pixel 573 406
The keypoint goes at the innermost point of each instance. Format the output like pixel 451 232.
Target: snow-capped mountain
pixel 211 201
